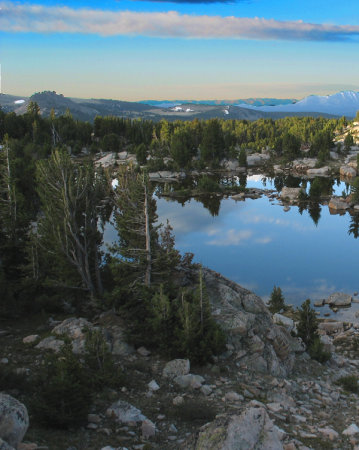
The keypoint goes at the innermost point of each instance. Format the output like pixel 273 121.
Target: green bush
pixel 349 383
pixel 207 184
pixel 99 363
pixel 63 394
pixel 316 351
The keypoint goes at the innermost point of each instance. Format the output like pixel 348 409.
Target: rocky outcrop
pixel 165 175
pixel 257 159
pixel 253 429
pixel 339 299
pixel 75 329
pixel 258 343
pixel 14 420
pixel 338 204
pixel 347 172
pixel 290 194
pixel 320 172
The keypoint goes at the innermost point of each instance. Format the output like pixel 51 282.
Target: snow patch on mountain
pixel 344 103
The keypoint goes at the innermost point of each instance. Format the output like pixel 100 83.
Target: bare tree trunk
pixel 148 241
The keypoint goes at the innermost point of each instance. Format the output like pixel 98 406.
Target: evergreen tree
pixel 68 230
pixel 242 158
pixel 135 215
pixel 308 324
pixel 276 301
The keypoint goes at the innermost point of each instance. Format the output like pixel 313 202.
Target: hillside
pixel 88 109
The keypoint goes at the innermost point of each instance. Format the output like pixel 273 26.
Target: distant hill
pixel 88 109
pixel 247 101
pixel 344 103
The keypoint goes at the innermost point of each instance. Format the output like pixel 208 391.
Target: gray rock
pixel 5 446
pixel 206 389
pixel 331 327
pixel 124 412
pixel 352 430
pixel 31 339
pixel 347 172
pixel 143 351
pixel 50 343
pixel 189 381
pixel 290 194
pixel 257 159
pixel 14 420
pixel 339 299
pixel 75 329
pixel 177 401
pixel 319 303
pixel 148 429
pixel 321 171
pixel 338 204
pixel 279 319
pixel 253 429
pixel 233 397
pixel 153 386
pixel 176 367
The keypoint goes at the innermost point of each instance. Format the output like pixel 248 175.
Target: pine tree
pixel 135 215
pixel 68 230
pixel 308 324
pixel 276 301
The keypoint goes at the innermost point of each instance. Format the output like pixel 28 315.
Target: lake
pixel 258 244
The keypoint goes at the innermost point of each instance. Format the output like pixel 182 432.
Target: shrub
pixel 63 396
pixel 308 324
pixel 99 363
pixel 349 383
pixel 317 352
pixel 208 184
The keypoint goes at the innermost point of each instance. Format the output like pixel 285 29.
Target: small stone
pixel 93 418
pixel 92 426
pixel 143 351
pixel 177 401
pixel 173 428
pixel 329 433
pixel 189 381
pixel 206 389
pixel 233 397
pixel 4 361
pixel 161 416
pixel 27 446
pixel 153 386
pixel 351 430
pixel 31 339
pixel 148 429
pixel 176 367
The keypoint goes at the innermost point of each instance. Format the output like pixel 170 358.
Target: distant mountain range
pixel 247 101
pixel 344 103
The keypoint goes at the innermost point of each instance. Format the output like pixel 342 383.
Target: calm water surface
pixel 259 245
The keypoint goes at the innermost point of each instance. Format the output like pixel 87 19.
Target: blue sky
pixel 135 50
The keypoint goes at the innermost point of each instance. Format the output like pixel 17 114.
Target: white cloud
pixel 231 237
pixel 263 240
pixel 16 17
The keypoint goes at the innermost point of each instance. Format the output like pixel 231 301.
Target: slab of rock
pixel 153 386
pixel 230 164
pixel 257 159
pixel 107 160
pixel 242 315
pixel 148 429
pixel 14 420
pixel 50 343
pixel 124 412
pixel 5 446
pixel 329 433
pixel 319 303
pixel 75 329
pixel 338 204
pixel 176 367
pixel 339 299
pixel 321 171
pixel 30 339
pixel 352 430
pixel 253 429
pixel 290 194
pixel 331 327
pixel 189 381
pixel 347 172
pixel 279 319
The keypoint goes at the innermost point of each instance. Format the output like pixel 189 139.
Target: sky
pixel 195 49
